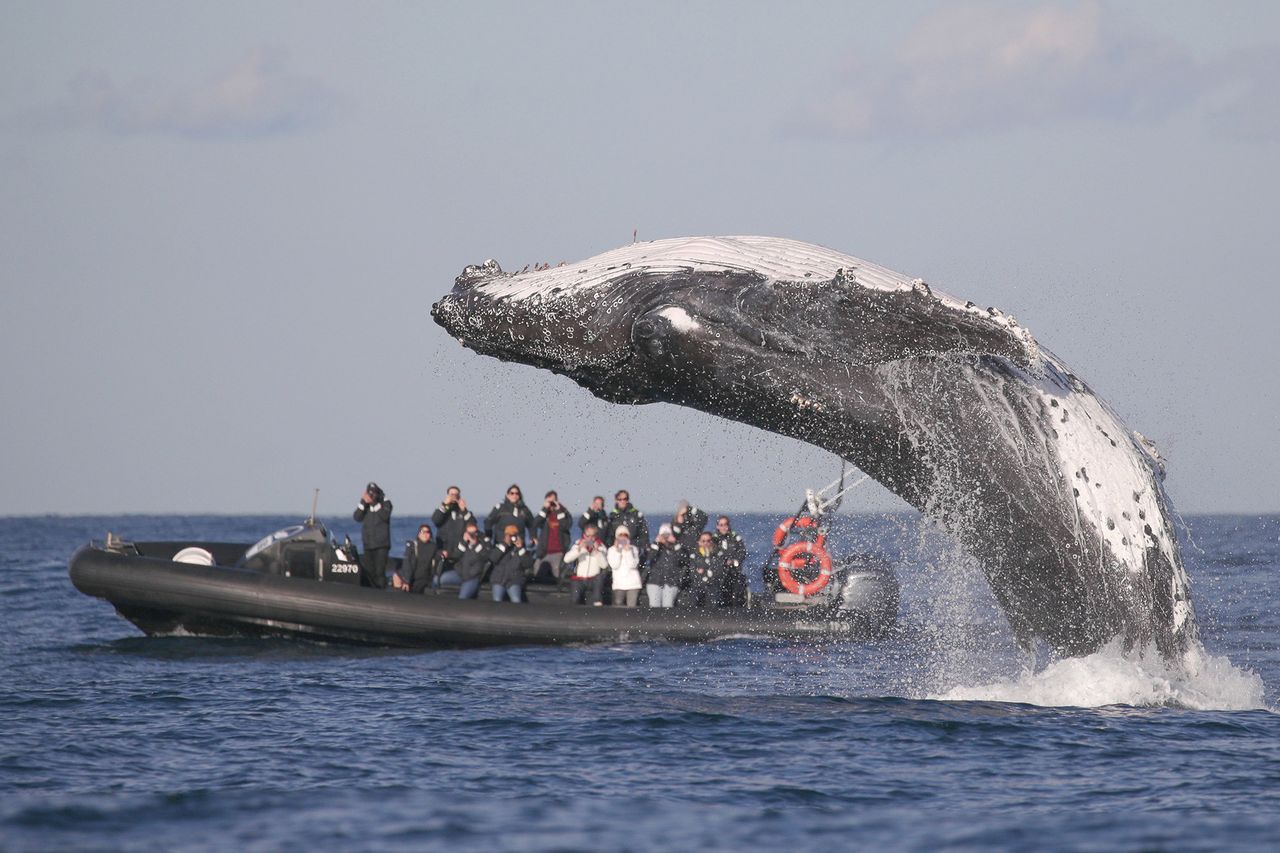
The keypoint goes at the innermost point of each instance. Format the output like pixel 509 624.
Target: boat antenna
pixel 315 499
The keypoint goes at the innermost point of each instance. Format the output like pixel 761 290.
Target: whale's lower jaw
pixel 958 412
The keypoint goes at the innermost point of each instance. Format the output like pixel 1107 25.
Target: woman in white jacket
pixel 589 565
pixel 624 559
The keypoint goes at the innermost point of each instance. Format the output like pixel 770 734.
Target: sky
pixel 222 227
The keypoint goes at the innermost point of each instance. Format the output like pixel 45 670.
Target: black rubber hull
pixel 163 597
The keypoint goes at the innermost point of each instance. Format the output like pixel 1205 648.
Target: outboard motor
pixel 304 551
pixel 867 589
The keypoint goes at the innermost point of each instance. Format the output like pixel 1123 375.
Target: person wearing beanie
pixel 665 569
pixel 624 562
pixel 374 514
pixel 511 563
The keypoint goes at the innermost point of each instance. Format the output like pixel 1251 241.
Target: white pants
pixel 661 596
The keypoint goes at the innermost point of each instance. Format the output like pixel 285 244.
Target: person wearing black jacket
pixel 512 510
pixel 421 563
pixel 511 562
pixel 688 524
pixel 374 514
pixel 450 518
pixel 553 531
pixel 706 568
pixel 624 514
pixel 734 552
pixel 595 517
pixel 666 569
pixel 470 560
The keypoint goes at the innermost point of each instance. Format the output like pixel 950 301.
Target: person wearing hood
pixel 687 524
pixel 421 563
pixel 624 562
pixel 374 514
pixel 511 510
pixel 511 563
pixel 589 565
pixel 666 569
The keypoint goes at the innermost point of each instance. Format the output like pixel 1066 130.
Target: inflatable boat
pixel 300 582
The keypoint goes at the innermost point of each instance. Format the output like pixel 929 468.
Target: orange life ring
pixel 805 521
pixel 789 556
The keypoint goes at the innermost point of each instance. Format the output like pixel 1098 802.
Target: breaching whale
pixel 953 407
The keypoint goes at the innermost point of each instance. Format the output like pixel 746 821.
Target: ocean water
pixel 942 735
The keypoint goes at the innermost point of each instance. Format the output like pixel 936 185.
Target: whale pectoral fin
pixel 865 325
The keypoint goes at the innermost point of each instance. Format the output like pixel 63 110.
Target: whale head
pixel 688 319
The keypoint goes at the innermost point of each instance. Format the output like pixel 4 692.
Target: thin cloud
pixel 989 67
pixel 256 97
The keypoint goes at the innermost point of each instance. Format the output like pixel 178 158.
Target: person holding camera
pixel 511 510
pixel 596 515
pixel 589 565
pixel 688 524
pixel 470 560
pixel 374 514
pixel 511 561
pixel 624 562
pixel 666 569
pixel 552 529
pixel 451 518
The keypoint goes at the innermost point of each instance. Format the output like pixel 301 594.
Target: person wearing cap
pixel 624 562
pixel 666 569
pixel 552 528
pixel 734 552
pixel 626 515
pixel 589 565
pixel 687 524
pixel 511 562
pixel 706 570
pixel 511 510
pixel 374 514
pixel 421 562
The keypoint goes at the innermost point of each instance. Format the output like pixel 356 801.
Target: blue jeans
pixel 469 589
pixel 514 591
pixel 450 577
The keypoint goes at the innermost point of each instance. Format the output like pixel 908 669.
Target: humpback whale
pixel 954 407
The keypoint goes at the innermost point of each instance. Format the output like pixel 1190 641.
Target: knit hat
pixel 622 531
pixel 510 528
pixel 664 530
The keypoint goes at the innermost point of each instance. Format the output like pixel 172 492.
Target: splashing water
pixel 1111 677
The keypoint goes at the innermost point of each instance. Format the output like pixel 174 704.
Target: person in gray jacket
pixel 374 514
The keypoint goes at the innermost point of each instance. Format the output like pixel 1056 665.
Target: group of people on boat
pixel 612 559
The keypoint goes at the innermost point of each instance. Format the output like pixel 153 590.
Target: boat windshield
pixel 269 540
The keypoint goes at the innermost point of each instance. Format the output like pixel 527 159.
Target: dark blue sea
pixel 942 735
